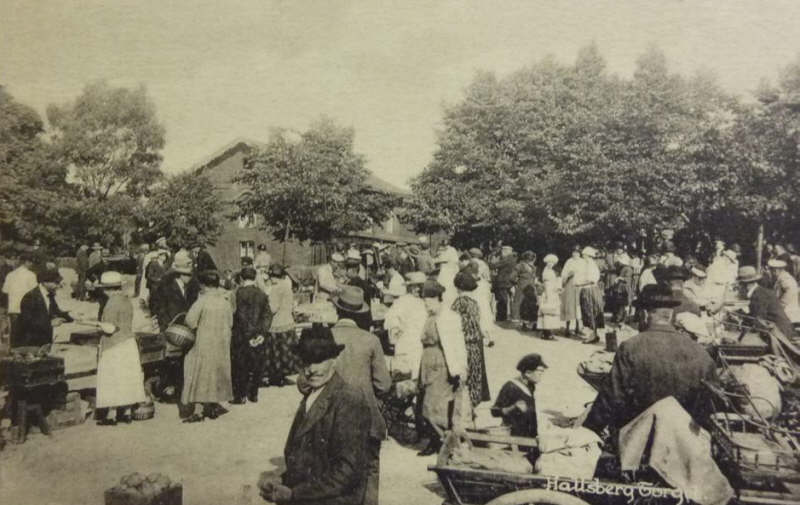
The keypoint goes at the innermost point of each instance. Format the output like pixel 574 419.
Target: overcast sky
pixel 218 70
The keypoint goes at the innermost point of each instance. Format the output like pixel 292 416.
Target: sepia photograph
pixel 521 252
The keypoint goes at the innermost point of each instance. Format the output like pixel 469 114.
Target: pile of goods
pixel 595 369
pixel 31 366
pixel 137 489
pixel 465 455
pixel 72 413
pixel 318 312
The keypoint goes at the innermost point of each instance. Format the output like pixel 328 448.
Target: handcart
pixel 467 485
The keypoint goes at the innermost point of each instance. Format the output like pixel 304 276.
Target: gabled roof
pixel 244 144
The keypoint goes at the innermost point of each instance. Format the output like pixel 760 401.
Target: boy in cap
pixel 515 402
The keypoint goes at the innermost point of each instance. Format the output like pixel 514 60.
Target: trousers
pixel 247 368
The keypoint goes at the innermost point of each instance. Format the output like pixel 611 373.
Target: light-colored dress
pixel 550 301
pixel 120 381
pixel 787 292
pixel 207 366
pixel 570 302
pixel 405 321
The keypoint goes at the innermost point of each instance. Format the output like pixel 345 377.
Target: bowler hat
pixel 48 275
pixel 317 345
pixel 748 274
pixel 530 361
pixel 656 296
pixel 351 299
pixel 465 281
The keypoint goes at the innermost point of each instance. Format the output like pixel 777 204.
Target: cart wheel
pixel 537 497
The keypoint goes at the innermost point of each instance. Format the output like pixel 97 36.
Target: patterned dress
pixel 477 382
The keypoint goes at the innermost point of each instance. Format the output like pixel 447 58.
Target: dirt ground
pixel 219 461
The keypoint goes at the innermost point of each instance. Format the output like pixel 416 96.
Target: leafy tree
pixel 313 188
pixel 111 137
pixel 185 209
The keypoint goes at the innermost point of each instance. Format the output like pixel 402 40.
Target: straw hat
pixel 773 263
pixel 111 279
pixel 748 274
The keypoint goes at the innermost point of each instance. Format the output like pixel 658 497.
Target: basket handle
pixel 179 314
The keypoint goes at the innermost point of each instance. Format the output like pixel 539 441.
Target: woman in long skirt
pixel 281 360
pixel 120 381
pixel 570 299
pixel 550 305
pixel 207 365
pixel 525 297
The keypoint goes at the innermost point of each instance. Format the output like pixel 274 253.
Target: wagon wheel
pixel 537 497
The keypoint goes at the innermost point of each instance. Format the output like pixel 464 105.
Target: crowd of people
pixel 442 311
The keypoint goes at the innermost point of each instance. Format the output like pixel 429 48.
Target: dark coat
pixel 34 326
pixel 326 449
pixel 362 365
pixel 252 316
pixel 167 301
pixel 506 272
pixel 82 262
pixel 155 272
pixel 204 262
pixel 522 424
pixel 653 365
pixel 764 304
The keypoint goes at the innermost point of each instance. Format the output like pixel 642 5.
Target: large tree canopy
pixel 558 151
pixel 313 188
pixel 111 138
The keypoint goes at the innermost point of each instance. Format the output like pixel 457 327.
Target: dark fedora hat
pixel 432 289
pixel 317 345
pixel 351 299
pixel 656 296
pixel 674 272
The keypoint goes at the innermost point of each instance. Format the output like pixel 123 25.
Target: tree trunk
pixel 285 239
pixel 759 246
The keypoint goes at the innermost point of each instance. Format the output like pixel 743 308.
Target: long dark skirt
pixel 592 308
pixel 477 381
pixel 280 359
pixel 529 308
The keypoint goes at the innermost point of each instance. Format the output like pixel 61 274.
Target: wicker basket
pixel 179 335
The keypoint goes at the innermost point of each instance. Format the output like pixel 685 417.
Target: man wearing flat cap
pixel 657 363
pixel 325 451
pixel 39 312
pixel 764 303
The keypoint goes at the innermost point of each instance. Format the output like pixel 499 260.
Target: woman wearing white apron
pixel 120 381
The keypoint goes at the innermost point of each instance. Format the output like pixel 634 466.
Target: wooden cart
pixel 467 486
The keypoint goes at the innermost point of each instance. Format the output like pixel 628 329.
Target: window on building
pixel 247 248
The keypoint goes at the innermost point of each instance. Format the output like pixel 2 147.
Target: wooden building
pixel 241 237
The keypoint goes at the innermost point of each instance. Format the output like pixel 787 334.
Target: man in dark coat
pixel 39 312
pixel 203 261
pixel 363 366
pixel 764 302
pixel 657 363
pixel 81 267
pixel 172 297
pixel 250 324
pixel 503 281
pixel 326 447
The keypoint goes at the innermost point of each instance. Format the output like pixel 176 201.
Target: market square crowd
pixel 443 310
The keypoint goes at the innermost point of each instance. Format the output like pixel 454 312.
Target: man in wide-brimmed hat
pixel 674 276
pixel 334 416
pixel 350 304
pixel 657 363
pixel 764 303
